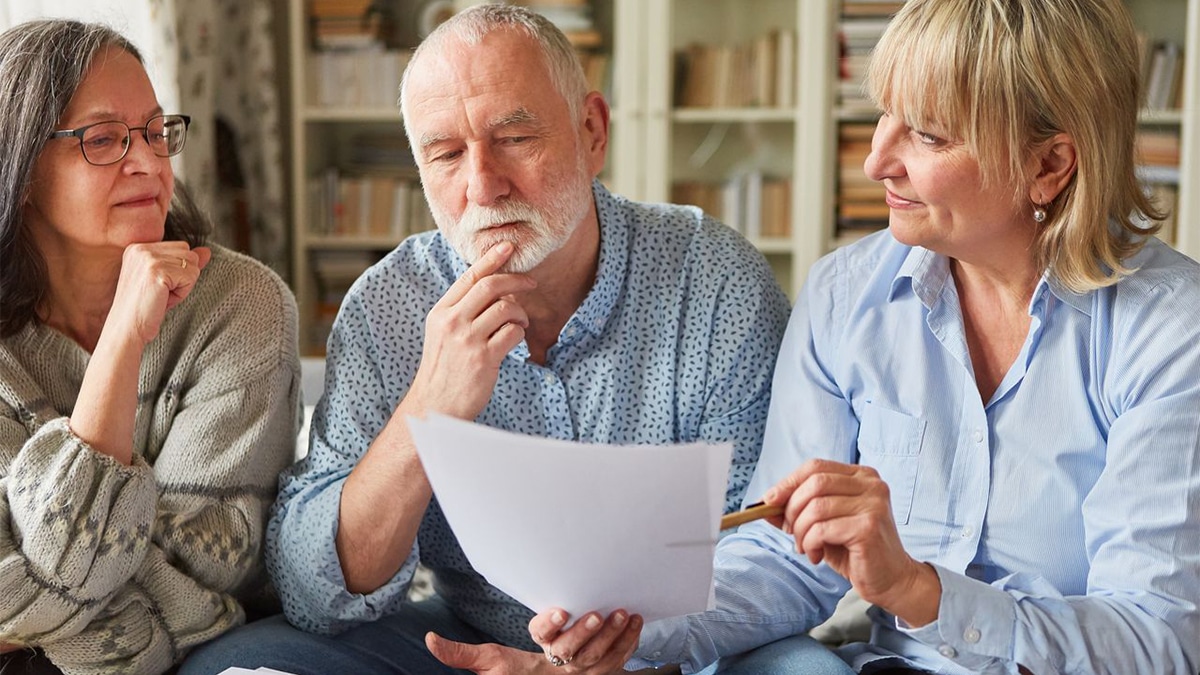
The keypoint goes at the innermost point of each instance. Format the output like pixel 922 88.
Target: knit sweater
pixel 121 569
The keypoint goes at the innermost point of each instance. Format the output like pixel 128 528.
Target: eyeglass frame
pixel 145 129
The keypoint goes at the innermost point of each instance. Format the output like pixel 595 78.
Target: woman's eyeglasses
pixel 106 143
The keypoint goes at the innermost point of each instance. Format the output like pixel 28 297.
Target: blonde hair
pixel 1006 76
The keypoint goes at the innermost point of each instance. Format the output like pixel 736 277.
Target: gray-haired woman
pixel 148 383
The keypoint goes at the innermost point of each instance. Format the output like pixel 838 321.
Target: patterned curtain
pixel 228 79
pixel 213 60
pixel 149 24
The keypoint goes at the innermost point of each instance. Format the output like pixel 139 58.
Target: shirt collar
pixel 593 314
pixel 927 273
pixel 1080 301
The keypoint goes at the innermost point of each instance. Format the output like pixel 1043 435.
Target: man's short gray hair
pixel 473 24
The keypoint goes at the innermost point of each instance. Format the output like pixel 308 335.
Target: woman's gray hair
pixel 474 23
pixel 42 64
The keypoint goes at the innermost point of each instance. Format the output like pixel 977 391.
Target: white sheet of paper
pixel 580 526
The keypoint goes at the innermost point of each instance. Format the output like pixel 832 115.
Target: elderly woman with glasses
pixel 148 383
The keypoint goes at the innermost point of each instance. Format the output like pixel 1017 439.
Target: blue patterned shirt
pixel 1062 516
pixel 675 342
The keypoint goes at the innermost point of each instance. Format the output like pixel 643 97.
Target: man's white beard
pixel 540 231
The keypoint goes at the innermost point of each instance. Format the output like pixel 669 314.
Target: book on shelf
pixel 1164 77
pixel 348 25
pixel 751 74
pixel 870 7
pixel 333 273
pixel 861 205
pixel 861 26
pixel 1165 198
pixel 364 77
pixel 785 68
pixel 379 207
pixel 573 18
pixel 596 70
pixel 1147 173
pixel 326 8
pixel 751 202
pixel 1155 147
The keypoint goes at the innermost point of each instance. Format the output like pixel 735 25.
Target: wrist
pixel 919 598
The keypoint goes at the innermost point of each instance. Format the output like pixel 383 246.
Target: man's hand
pixel 593 646
pixel 467 334
pixel 485 659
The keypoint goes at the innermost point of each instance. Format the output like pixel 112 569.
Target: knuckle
pixel 489 285
pixel 882 491
pixel 470 277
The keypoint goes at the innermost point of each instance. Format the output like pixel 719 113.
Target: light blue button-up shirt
pixel 1062 516
pixel 675 342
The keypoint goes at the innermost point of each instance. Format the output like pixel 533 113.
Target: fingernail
pixel 558 618
pixel 592 622
pixel 770 496
pixel 504 246
pixel 619 619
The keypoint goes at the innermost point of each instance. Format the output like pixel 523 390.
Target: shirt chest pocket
pixel 890 442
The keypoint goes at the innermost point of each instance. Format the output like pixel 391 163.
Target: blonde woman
pixel 987 418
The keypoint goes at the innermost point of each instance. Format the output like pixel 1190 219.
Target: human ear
pixel 595 130
pixel 1056 165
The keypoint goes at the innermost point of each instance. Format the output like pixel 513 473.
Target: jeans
pixel 27 662
pixel 795 655
pixel 392 645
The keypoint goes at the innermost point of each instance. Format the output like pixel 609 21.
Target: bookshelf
pixel 658 147
pixel 663 144
pixel 353 186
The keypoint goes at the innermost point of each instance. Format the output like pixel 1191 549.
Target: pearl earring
pixel 1039 214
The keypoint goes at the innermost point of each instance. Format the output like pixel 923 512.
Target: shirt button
pixel 571 332
pixel 947 651
pixel 548 379
pixel 967 532
pixel 972 635
pixel 978 436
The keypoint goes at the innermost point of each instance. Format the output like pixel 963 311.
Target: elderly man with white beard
pixel 542 305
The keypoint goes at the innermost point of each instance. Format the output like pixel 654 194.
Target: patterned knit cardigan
pixel 115 569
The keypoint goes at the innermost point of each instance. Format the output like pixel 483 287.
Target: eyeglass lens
pixel 108 142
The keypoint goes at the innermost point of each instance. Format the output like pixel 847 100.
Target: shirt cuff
pixel 975 624
pixel 662 642
pixel 311 570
